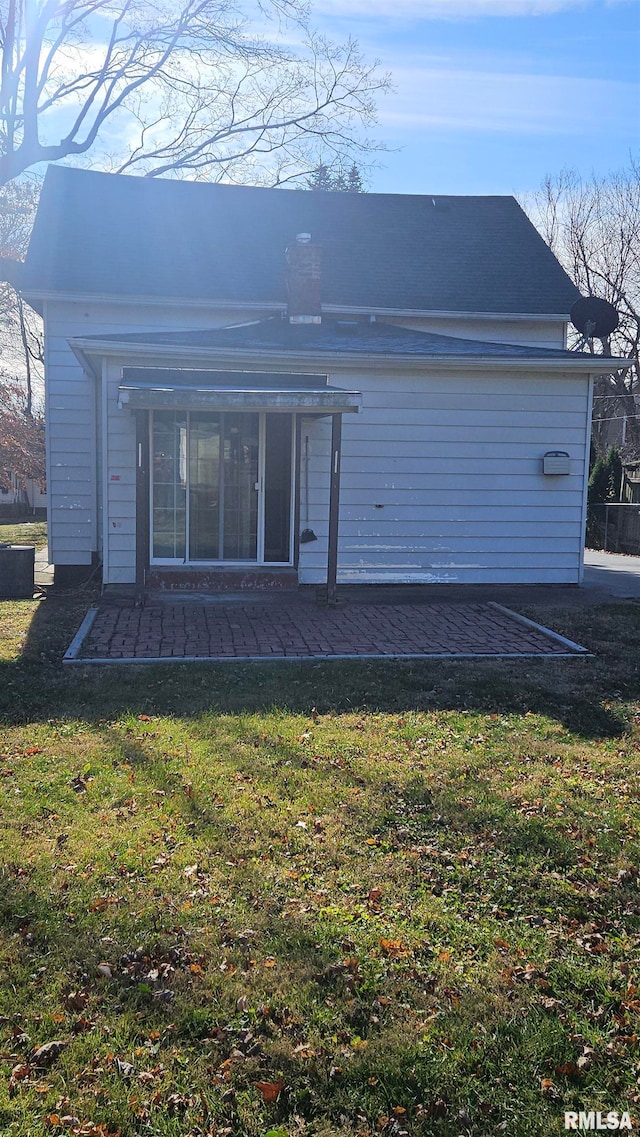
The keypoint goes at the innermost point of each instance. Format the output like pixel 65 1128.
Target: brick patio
pixel 293 628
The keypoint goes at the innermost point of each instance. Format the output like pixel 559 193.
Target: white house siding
pixel 454 460
pixel 531 333
pixel 442 480
pixel 71 467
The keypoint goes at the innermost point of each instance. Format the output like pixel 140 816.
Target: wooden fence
pixel 614 527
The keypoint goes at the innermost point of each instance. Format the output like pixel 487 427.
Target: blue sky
pixel 491 95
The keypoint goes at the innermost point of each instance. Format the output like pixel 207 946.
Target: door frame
pixel 158 562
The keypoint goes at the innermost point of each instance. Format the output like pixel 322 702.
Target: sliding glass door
pixel 221 487
pixel 169 485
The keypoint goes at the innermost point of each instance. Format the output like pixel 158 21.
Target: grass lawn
pixel 317 899
pixel 26 533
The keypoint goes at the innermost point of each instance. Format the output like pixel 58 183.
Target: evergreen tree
pixel 354 180
pixel 336 181
pixel 321 178
pixel 606 478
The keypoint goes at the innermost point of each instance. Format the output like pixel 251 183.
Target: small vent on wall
pixel 556 462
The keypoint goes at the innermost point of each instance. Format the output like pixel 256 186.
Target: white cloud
pixel 431 97
pixel 446 9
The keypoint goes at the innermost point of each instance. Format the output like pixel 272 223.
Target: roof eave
pixel 275 306
pixel 85 350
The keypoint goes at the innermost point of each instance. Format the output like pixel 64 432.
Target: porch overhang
pixel 233 391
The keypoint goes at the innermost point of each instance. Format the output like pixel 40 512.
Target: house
pixel 20 496
pixel 248 386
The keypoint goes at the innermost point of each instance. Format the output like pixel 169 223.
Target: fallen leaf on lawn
pixel 270 1090
pixel 101 904
pixel 269 961
pixel 549 1090
pixel 47 1053
pixel 394 949
pixel 177 1103
pixel 125 1069
pixel 20 1072
pixel 444 956
pixel 568 1070
pixel 104 969
pixel 304 1051
pixel 550 1004
pixel 452 995
pixel 32 750
pixel 585 1061
pixel 76 1000
pixel 82 1024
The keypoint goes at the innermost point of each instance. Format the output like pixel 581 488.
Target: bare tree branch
pixel 594 229
pixel 188 84
pixel 21 347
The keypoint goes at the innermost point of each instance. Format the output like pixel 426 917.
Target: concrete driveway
pixel 612 574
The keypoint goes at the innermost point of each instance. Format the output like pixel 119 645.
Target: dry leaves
pixel 270 1090
pixel 394 949
pixel 46 1054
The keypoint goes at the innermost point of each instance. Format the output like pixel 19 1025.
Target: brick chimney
pixel 304 278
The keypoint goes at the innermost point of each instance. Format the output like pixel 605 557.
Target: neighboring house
pixel 612 429
pixel 29 494
pixel 378 404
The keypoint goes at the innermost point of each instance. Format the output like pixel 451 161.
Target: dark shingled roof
pixel 336 338
pixel 114 235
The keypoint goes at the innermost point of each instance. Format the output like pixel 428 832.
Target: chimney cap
pixel 303 238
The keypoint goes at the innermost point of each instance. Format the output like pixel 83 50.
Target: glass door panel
pixel 277 488
pixel 204 487
pixel 239 475
pixel 207 467
pixel 169 450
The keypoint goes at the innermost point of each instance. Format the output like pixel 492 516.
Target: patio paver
pixel 255 628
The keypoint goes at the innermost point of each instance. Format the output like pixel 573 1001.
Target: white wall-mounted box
pixel 556 462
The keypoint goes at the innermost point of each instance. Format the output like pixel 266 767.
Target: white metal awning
pixel 169 388
pixel 326 400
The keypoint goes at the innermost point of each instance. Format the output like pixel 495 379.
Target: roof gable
pixel 106 234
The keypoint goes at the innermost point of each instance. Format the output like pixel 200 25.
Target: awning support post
pixel 142 503
pixel 334 508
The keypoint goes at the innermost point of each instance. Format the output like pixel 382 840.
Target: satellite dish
pixel 593 316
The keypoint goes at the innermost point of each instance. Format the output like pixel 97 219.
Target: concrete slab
pixel 44 572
